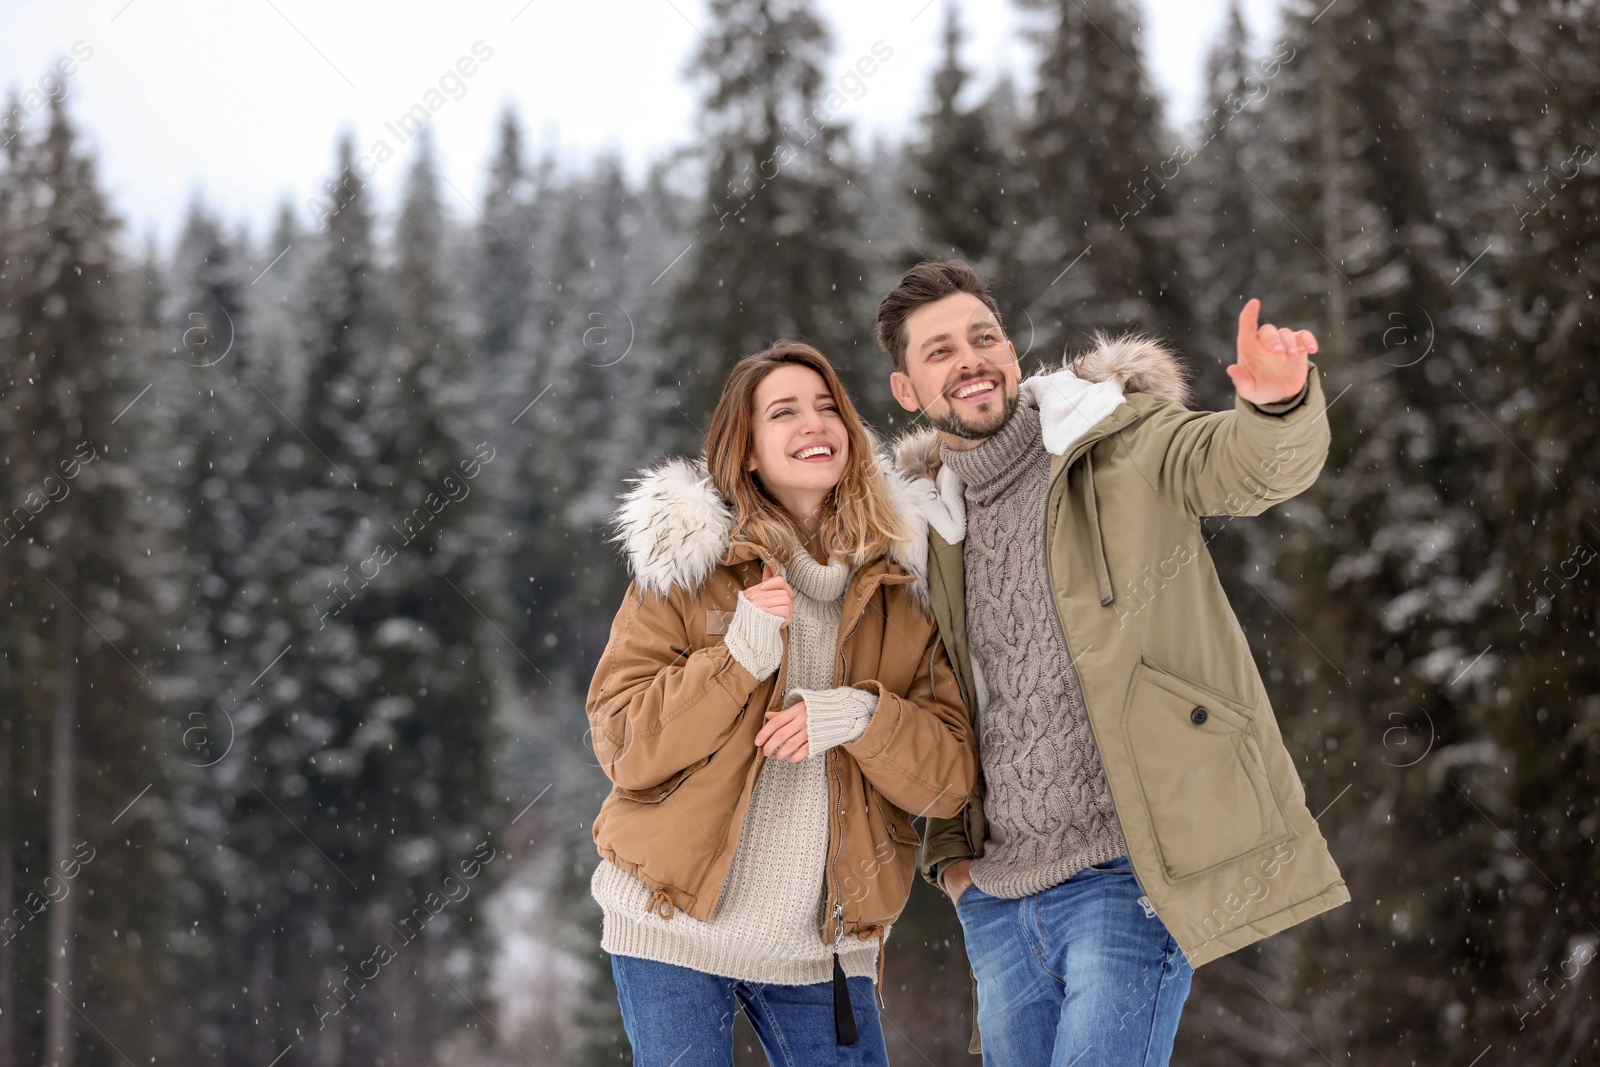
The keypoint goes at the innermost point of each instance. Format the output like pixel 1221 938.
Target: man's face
pixel 961 371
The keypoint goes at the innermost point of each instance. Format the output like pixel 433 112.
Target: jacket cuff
pixel 1283 407
pixel 836 716
pixel 933 873
pixel 755 639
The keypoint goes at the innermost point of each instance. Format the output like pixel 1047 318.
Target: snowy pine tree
pixel 81 730
pixel 1221 216
pixel 1098 250
pixel 773 254
pixel 960 172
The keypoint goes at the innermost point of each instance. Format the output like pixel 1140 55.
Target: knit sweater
pixel 1047 801
pixel 767 923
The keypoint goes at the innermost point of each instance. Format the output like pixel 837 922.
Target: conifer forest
pixel 303 523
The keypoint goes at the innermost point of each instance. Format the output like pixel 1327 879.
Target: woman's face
pixel 799 442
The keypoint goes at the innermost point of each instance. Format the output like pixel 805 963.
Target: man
pixel 1138 814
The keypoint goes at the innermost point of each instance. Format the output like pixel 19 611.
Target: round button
pixel 1199 716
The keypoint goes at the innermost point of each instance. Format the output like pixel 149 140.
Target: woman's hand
pixel 784 735
pixel 772 595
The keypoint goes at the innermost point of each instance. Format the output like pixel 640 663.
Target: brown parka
pixel 673 716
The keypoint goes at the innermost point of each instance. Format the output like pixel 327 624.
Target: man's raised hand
pixel 1272 363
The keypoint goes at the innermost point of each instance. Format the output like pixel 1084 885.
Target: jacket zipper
pixel 844 661
pixel 833 760
pixel 838 901
pixel 838 847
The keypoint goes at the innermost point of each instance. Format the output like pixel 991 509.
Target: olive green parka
pixel 1208 797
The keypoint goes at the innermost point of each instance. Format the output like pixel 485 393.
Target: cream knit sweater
pixel 767 922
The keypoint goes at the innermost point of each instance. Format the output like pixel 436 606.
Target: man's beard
pixel 951 423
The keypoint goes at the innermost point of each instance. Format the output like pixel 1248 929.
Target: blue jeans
pixel 1081 974
pixel 678 1017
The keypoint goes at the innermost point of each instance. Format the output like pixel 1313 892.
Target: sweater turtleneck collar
pixel 824 582
pixel 987 470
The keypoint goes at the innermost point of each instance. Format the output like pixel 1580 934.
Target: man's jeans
pixel 678 1017
pixel 1081 974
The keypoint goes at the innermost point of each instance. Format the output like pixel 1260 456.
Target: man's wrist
pixel 944 875
pixel 1287 404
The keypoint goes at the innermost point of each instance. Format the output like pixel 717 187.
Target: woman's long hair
pixel 857 524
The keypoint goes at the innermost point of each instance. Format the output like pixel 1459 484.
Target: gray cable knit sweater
pixel 768 920
pixel 1047 802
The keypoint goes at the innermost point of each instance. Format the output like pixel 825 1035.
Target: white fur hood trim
pixel 674 527
pixel 1072 401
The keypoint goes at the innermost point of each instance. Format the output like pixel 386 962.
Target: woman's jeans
pixel 1083 973
pixel 677 1017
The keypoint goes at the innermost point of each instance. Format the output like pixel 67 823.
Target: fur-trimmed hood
pixel 675 527
pixel 1073 398
pixel 1072 401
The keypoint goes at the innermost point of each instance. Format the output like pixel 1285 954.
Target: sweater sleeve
pixel 836 716
pixel 755 639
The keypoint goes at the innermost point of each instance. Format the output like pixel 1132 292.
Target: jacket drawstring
pixel 661 904
pixel 867 933
pixel 1102 572
pixel 844 1023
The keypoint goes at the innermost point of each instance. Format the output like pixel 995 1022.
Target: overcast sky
pixel 241 101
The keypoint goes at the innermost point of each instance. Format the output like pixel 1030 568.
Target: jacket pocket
pixel 657 793
pixel 1200 772
pixel 896 821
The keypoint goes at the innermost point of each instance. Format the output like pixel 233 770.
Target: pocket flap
pixel 1205 787
pixel 657 793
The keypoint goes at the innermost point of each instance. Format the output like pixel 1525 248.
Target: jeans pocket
pixel 1120 865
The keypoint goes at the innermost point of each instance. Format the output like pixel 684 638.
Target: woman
pixel 773 704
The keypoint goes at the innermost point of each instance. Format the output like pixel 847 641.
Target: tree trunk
pixel 1332 193
pixel 8 889
pixel 258 1036
pixel 58 1008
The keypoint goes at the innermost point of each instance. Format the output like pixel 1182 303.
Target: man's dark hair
pixel 923 284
